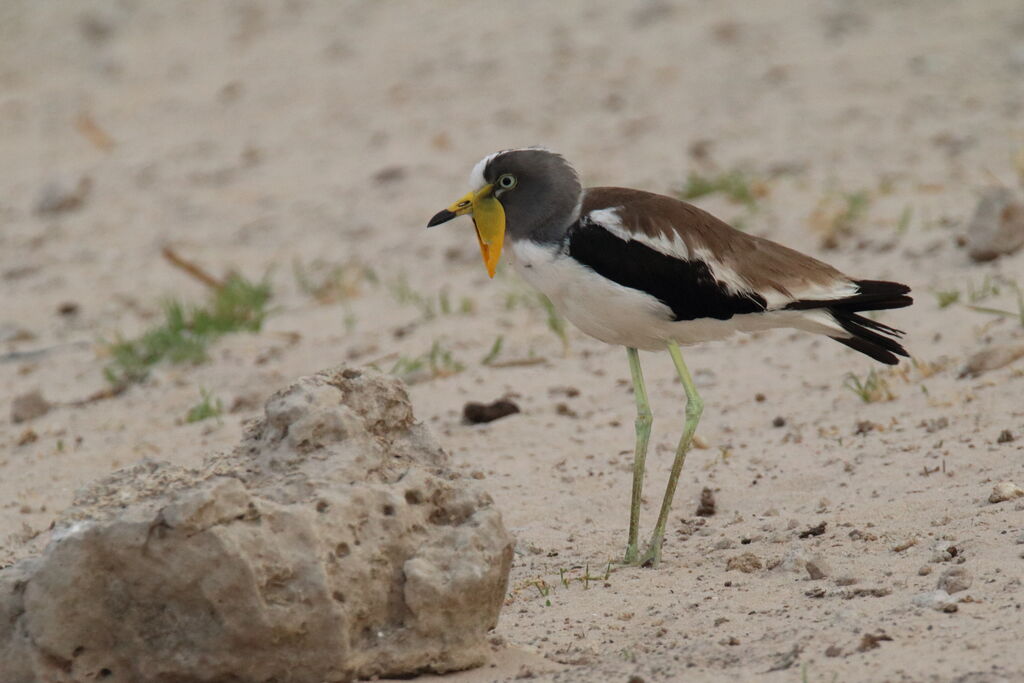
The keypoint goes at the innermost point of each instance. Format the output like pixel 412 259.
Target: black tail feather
pixel 868 336
pixel 864 337
pixel 872 295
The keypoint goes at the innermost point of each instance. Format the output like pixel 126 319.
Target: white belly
pixel 628 317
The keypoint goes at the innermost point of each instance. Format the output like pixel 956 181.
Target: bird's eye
pixel 507 182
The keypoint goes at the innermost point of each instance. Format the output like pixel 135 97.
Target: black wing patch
pixel 687 287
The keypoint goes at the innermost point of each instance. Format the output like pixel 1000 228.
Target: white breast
pixel 628 317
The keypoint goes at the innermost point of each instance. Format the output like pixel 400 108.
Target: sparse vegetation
pixel 330 283
pixel 437 362
pixel 989 288
pixel 947 297
pixel 903 224
pixel 839 214
pixel 556 323
pixel 494 352
pixel 239 305
pixel 429 306
pixel 208 406
pixel 737 186
pixel 873 388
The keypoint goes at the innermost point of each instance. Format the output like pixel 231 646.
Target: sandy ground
pixel 259 135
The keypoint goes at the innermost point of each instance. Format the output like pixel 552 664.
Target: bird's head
pixel 521 191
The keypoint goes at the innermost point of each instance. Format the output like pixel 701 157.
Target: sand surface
pixel 260 136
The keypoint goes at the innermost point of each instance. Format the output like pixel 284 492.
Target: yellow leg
pixel 694 408
pixel 644 418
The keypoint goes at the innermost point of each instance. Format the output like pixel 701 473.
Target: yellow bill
pixel 489 219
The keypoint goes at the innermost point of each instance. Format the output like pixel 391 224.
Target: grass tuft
pixel 874 388
pixel 437 362
pixel 239 305
pixel 839 215
pixel 737 186
pixel 208 407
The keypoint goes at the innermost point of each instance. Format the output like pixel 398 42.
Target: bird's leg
pixel 643 435
pixel 694 408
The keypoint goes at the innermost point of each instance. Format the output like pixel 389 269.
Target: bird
pixel 651 272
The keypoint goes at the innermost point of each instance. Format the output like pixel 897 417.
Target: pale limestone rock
pixel 333 543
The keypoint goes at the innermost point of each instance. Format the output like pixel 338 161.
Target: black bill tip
pixel 441 217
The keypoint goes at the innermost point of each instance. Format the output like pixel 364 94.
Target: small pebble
pixel 846 580
pixel 706 507
pixel 1005 436
pixel 925 570
pixel 1005 490
pixel 779 422
pixel 938 600
pixel 477 413
pixel 817 568
pixel 723 544
pixel 29 406
pixel 746 563
pixel 955 579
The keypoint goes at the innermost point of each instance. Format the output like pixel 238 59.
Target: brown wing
pixel 762 264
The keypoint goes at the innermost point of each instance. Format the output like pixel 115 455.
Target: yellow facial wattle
pixel 489 219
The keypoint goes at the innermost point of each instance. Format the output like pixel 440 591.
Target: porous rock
pixel 332 543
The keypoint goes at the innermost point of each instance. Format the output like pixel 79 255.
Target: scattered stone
pixel 900 547
pixel 477 413
pixel 955 579
pixel 334 543
pixel 795 560
pixel 9 332
pixel 723 544
pixel 997 227
pixel 924 570
pixel 870 641
pixel 876 592
pixel 934 425
pixel 846 580
pixel 816 530
pixel 29 406
pixel 938 600
pixel 833 651
pixel 786 659
pixel 58 197
pixel 818 568
pixel 1005 436
pixel 564 410
pixel 706 507
pixel 28 436
pixel 390 174
pixel 992 358
pixel 68 308
pixel 1005 490
pixel 746 563
pixel 944 551
pixel 779 422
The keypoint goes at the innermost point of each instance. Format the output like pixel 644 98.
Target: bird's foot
pixel 651 556
pixel 632 555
